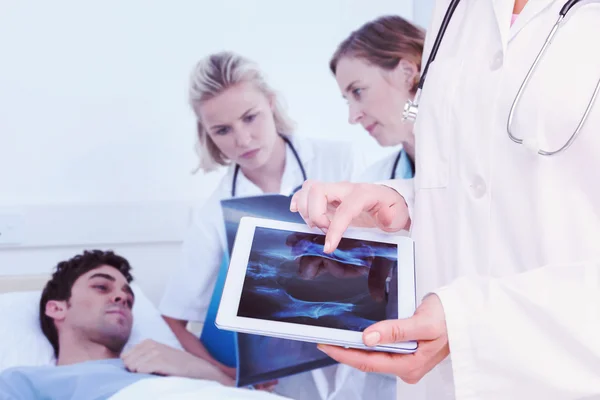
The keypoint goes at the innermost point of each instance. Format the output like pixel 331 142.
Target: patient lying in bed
pixel 85 312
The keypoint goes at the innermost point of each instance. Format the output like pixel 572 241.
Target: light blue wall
pixel 422 12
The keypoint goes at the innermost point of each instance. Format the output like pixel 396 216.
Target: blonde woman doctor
pixel 242 126
pixel 507 232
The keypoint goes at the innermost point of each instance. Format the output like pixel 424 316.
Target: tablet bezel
pixel 228 319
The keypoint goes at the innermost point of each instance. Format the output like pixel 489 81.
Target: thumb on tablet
pixel 398 330
pixel 427 324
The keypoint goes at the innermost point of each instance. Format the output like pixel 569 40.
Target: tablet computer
pixel 281 283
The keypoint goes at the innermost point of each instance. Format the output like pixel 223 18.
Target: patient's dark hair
pixel 66 273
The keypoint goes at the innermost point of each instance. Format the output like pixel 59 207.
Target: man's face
pixel 99 309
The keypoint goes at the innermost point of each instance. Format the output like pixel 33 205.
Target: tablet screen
pixel 290 279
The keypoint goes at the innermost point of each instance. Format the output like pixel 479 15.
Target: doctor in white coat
pixel 507 237
pixel 243 127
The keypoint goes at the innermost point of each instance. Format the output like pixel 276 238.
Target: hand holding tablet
pixel 428 326
pixel 281 283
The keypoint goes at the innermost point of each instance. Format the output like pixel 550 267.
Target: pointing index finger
pixel 352 206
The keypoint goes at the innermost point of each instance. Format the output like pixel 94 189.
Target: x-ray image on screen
pixel 290 279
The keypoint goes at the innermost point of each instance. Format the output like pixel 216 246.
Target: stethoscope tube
pixel 568 5
pixel 563 12
pixel 411 109
pixel 298 160
pixel 395 166
pixel 438 39
pixel 396 161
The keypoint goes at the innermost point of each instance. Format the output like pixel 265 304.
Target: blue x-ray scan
pixel 290 279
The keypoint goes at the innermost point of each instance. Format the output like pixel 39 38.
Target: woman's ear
pixel 405 74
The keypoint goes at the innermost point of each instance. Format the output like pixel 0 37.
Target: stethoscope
pixel 298 160
pixel 395 166
pixel 411 109
pixel 396 161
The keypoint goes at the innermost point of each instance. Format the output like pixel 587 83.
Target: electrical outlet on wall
pixel 11 229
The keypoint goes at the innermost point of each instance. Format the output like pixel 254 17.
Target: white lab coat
pixel 508 239
pixel 190 287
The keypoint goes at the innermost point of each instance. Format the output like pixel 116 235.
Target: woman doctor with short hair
pixel 505 211
pixel 241 125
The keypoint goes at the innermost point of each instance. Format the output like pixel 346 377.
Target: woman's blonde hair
pixel 215 74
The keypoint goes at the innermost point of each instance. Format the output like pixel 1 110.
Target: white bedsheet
pixel 172 388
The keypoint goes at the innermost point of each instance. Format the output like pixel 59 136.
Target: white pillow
pixel 22 341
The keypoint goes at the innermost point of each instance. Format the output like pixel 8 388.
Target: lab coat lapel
pixel 532 9
pixel 503 11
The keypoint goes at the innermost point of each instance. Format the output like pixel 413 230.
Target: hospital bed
pixel 23 343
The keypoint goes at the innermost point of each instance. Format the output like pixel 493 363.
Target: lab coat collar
pixel 503 11
pixel 531 10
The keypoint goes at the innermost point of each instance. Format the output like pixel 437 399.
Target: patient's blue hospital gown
pixel 90 380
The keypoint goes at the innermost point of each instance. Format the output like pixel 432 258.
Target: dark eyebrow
pixel 111 278
pixel 105 276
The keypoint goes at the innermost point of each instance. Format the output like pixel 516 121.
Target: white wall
pixel 96 139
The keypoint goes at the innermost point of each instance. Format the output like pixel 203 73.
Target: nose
pixel 354 113
pixel 243 138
